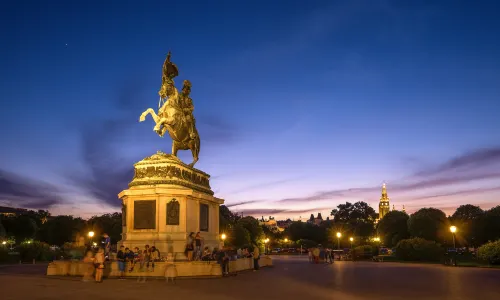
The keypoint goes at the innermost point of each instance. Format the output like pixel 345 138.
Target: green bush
pixel 490 252
pixel 418 249
pixel 35 250
pixel 73 252
pixel 365 252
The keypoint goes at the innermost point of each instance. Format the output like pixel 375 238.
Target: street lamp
pixel 352 240
pixel 4 243
pixel 91 235
pixel 265 245
pixel 223 238
pixel 453 229
pixel 338 240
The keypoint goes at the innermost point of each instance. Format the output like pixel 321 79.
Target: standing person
pixel 107 245
pixel 155 256
pixel 99 265
pixel 121 258
pixel 190 246
pixel 89 265
pixel 141 259
pixel 256 257
pixel 223 260
pixel 134 256
pixel 146 257
pixel 198 239
pixel 310 254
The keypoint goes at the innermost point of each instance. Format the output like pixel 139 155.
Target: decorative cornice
pixel 161 168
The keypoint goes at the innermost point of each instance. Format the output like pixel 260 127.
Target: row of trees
pixel 57 230
pixel 358 220
pixel 474 226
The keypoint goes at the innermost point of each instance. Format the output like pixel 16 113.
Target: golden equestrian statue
pixel 175 113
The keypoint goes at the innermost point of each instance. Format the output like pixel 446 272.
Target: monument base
pixel 165 202
pixel 162 269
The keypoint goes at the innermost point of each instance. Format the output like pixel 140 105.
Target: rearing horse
pixel 171 118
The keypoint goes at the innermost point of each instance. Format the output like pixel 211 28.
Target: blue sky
pixel 301 105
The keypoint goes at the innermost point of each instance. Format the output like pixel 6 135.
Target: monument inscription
pixel 173 209
pixel 203 217
pixel 145 214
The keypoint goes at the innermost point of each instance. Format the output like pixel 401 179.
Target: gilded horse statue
pixel 175 114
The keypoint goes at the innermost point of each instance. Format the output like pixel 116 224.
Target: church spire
pixel 383 206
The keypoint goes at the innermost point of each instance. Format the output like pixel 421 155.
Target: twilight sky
pixel 300 105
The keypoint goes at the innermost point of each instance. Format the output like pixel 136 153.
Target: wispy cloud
pixel 263 184
pixel 478 158
pixel 441 176
pixel 20 191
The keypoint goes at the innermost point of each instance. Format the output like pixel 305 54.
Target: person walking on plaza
pixel 99 265
pixel 256 257
pixel 121 259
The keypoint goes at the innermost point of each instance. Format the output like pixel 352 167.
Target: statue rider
pixel 188 107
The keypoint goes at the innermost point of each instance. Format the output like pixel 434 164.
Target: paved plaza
pixel 291 278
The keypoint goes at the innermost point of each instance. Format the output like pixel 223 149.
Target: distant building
pixel 271 224
pixel 284 224
pixel 384 206
pixel 11 211
pixel 315 221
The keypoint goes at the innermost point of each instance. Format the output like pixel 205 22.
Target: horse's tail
pixel 197 144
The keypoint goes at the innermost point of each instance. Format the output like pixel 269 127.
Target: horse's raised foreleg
pixel 146 112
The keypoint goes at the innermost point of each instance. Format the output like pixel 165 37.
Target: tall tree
pixel 467 218
pixel 240 236
pixel 21 227
pixel 227 219
pixel 107 223
pixel 393 227
pixel 254 229
pixel 358 218
pixel 61 229
pixel 430 224
pixel 489 225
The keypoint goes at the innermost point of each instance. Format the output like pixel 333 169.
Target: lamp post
pixel 223 238
pixel 453 229
pixel 352 240
pixel 265 245
pixel 338 240
pixel 91 236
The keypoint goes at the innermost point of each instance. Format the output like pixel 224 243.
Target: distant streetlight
pixel 4 243
pixel 352 240
pixel 453 229
pixel 286 240
pixel 91 234
pixel 338 240
pixel 95 244
pixel 265 245
pixel 376 239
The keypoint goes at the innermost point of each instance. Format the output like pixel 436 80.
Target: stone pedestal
pixel 165 201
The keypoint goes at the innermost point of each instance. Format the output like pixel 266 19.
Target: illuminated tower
pixel 383 206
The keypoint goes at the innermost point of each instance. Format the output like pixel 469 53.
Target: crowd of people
pixel 143 260
pixel 320 254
